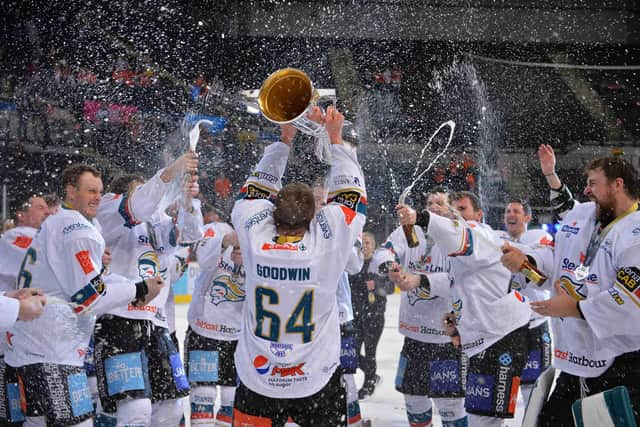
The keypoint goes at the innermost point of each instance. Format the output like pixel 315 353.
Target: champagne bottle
pixel 534 275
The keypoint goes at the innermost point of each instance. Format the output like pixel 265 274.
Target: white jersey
pixel 13 245
pixel 421 312
pixel 290 341
pixel 609 295
pixel 533 239
pixel 343 298
pixel 485 309
pixel 215 310
pixel 138 236
pixel 214 229
pixel 65 260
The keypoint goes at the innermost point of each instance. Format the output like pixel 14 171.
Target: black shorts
pixel 11 413
pixel 348 352
pixel 539 357
pixel 326 408
pixel 136 359
pixel 209 361
pixel 429 369
pixel 58 392
pixel 494 376
pixel 625 371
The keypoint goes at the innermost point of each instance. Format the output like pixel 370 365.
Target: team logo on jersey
pixel 574 290
pixel 149 266
pixel 225 288
pixel 262 365
pixel 418 294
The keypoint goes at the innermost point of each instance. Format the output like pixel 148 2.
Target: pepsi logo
pixel 261 364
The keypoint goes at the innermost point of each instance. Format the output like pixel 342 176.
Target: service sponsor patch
pixel 628 280
pixel 255 192
pixel 349 199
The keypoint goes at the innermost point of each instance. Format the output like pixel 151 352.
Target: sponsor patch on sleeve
pixel 628 280
pixel 22 242
pixel 252 191
pixel 84 259
pixel 87 296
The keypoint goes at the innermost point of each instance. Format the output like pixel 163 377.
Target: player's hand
pixel 24 293
pixel 512 258
pixel 190 189
pixel 547 159
pixel 185 164
pixel 230 239
pixel 334 120
pixel 316 114
pixel 406 214
pixel 559 305
pixel 31 307
pixel 106 258
pixel 154 286
pixel 402 279
pixel 287 133
pixel 449 322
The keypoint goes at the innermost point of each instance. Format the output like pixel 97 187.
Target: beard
pixel 605 210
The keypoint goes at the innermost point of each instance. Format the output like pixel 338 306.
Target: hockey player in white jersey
pixel 348 350
pixel 595 272
pixel 492 320
pixel 29 215
pixel 517 215
pixel 128 337
pixel 430 366
pixel 288 354
pixel 215 316
pixel 64 260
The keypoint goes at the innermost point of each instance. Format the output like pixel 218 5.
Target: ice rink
pixel 386 407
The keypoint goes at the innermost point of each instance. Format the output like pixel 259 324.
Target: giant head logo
pixel 225 288
pixel 148 265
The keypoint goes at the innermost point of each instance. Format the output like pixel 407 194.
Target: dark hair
pixel 120 183
pixel 295 207
pixel 617 167
pixel 22 205
pixel 475 200
pixel 525 204
pixel 71 175
pixel 51 199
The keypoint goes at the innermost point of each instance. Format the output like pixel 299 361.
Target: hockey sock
pixel 452 412
pixel 225 413
pixel 354 417
pixel 203 400
pixel 483 421
pixel 132 412
pixel 419 410
pixel 167 412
